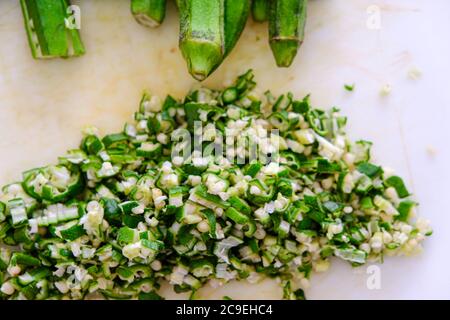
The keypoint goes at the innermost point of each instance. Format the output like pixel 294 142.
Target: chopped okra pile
pixel 224 185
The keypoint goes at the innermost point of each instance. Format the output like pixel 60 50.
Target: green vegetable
pixel 404 208
pixel 117 218
pixel 18 258
pixel 235 17
pixel 18 212
pixel 2 211
pixel 47 30
pixel 349 87
pixel 150 296
pixel 149 13
pixel 52 183
pixel 260 10
pixel 236 216
pixel 209 30
pixel 202 36
pixel 398 184
pixel 287 20
pixel 72 232
pixel 369 169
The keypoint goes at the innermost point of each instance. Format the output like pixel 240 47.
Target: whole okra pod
pixel 201 35
pixel 209 30
pixel 286 29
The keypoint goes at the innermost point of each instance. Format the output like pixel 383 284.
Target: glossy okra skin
pixel 48 35
pixel 260 10
pixel 287 20
pixel 201 35
pixel 149 13
pixel 236 15
pixel 209 30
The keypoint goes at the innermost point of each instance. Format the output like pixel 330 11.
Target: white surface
pixel 44 105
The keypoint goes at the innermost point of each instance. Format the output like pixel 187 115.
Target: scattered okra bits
pixel 221 186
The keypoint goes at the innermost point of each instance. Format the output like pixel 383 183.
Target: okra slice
pixel 2 211
pixel 18 212
pixel 144 216
pixel 52 183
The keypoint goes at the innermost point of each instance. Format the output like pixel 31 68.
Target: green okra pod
pixel 260 10
pixel 49 35
pixel 149 13
pixel 286 29
pixel 236 14
pixel 201 35
pixel 209 30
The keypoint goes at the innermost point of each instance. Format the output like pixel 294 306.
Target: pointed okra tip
pixel 201 57
pixel 284 51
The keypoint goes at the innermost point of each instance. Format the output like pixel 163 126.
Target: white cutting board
pixel 44 105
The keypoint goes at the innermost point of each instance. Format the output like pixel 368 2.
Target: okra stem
pixel 149 13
